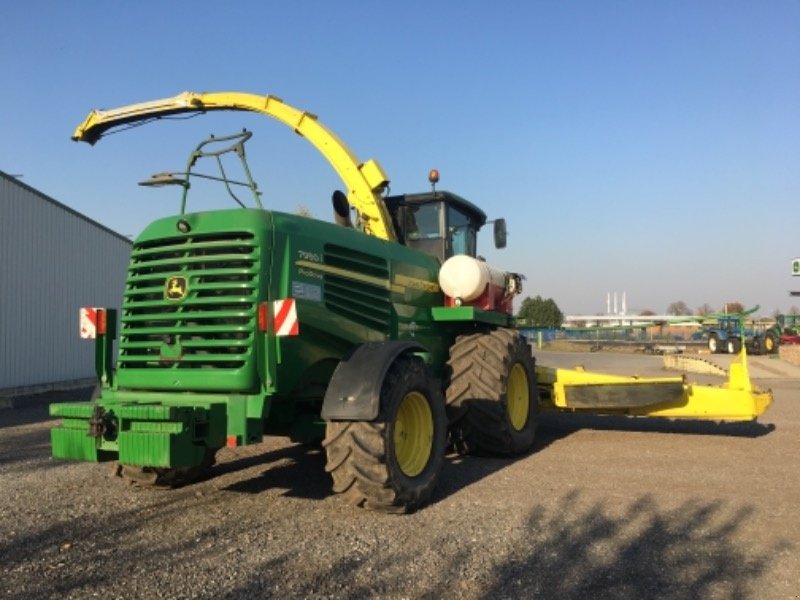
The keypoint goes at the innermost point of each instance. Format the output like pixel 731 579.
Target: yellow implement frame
pixel 579 391
pixel 365 182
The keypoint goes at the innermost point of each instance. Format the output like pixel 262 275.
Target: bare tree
pixel 303 211
pixel 704 310
pixel 678 308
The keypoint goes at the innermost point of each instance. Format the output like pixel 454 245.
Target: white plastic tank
pixel 464 277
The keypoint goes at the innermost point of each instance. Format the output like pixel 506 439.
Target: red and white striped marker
pixel 285 322
pixel 88 322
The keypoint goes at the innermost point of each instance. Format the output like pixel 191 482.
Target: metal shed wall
pixel 53 260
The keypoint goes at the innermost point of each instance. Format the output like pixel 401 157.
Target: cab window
pixel 461 232
pixel 422 221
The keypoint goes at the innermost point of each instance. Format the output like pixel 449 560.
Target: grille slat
pixel 363 302
pixel 180 323
pixel 227 270
pixel 159 250
pixel 193 261
pixel 189 344
pixel 200 306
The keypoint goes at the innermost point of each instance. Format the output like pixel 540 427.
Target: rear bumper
pixel 154 435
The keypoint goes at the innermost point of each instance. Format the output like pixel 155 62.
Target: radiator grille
pixel 212 326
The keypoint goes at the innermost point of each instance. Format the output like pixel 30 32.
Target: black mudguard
pixel 354 392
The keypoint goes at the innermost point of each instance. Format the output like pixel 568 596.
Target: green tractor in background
pixel 767 338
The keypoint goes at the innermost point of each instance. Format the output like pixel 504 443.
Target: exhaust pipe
pixel 341 209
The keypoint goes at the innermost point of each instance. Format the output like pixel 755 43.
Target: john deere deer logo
pixel 176 288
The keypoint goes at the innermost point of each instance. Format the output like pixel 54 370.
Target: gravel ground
pixel 603 507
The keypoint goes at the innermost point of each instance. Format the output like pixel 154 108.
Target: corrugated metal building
pixel 53 260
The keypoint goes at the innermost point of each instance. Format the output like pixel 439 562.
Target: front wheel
pixel 492 398
pixel 713 343
pixel 392 464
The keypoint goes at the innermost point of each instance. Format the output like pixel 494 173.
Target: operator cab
pixel 440 223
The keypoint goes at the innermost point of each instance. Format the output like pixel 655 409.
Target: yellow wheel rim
pixel 768 344
pixel 413 434
pixel 518 397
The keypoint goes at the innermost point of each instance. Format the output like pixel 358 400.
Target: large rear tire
pixel 492 398
pixel 154 477
pixel 392 464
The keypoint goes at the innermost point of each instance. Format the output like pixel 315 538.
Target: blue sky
pixel 644 147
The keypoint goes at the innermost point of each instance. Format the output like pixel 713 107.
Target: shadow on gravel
pixel 300 470
pixel 76 556
pixel 554 425
pixel 459 472
pixel 687 552
pixel 34 408
pixel 601 551
pixel 27 415
pixel 570 548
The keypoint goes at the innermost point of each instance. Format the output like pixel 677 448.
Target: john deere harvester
pixel 381 334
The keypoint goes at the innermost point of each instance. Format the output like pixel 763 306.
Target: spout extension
pixel 365 181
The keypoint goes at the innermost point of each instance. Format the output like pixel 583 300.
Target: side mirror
pixel 500 233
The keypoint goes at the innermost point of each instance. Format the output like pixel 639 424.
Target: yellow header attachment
pixel 576 390
pixel 365 182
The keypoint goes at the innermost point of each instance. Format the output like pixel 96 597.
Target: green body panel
pixel 194 371
pixel 470 314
